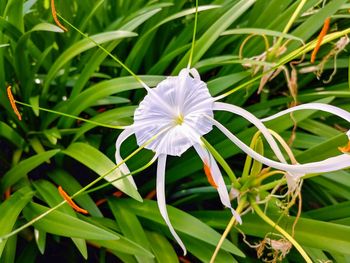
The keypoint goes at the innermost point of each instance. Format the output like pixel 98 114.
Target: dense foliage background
pixel 66 72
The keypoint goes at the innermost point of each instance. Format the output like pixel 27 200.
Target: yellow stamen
pixel 180 119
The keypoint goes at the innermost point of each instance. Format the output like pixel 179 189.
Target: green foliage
pixel 67 73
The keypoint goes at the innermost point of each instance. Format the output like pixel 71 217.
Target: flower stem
pixel 264 217
pixel 290 23
pixel 193 37
pixel 71 116
pixel 240 207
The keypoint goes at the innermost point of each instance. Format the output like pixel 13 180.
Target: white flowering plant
pixel 261 157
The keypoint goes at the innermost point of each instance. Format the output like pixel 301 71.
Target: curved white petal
pixel 313 106
pixel 251 118
pixel 331 164
pixel 292 178
pixel 123 167
pixel 207 158
pixel 161 198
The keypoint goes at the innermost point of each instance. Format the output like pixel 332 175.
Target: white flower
pixel 180 109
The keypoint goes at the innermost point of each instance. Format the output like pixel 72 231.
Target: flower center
pixel 179 119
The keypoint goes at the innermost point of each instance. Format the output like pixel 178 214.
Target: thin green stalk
pixel 239 209
pixel 261 178
pixel 248 161
pixel 223 163
pixel 107 52
pixel 272 185
pixel 71 116
pixel 193 36
pixel 264 217
pixel 65 131
pixel 290 23
pixel 82 190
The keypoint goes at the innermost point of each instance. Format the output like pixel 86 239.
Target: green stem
pixel 264 217
pixel 262 177
pixel 71 116
pixel 239 209
pixel 193 37
pixel 248 161
pixel 290 23
pixel 272 185
pixel 223 163
pixel 62 131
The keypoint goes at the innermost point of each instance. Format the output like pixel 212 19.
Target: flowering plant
pixel 181 112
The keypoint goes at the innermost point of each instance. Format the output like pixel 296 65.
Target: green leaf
pixel 123 245
pixel 80 47
pixel 182 222
pixel 59 223
pixel 101 90
pixel 214 32
pixel 34 101
pixel 162 249
pixel 203 251
pixel 10 209
pixel 9 253
pixel 101 164
pixel 40 239
pixel 130 226
pixel 308 232
pixel 52 197
pixel 71 186
pixel 11 135
pixel 118 117
pixel 21 169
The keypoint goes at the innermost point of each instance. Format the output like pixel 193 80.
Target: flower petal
pixel 313 106
pixel 161 198
pixel 250 117
pixel 181 98
pixel 292 178
pixel 331 164
pixel 123 167
pixel 217 177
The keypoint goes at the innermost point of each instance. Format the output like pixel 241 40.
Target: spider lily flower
pixel 181 110
pixel 181 105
